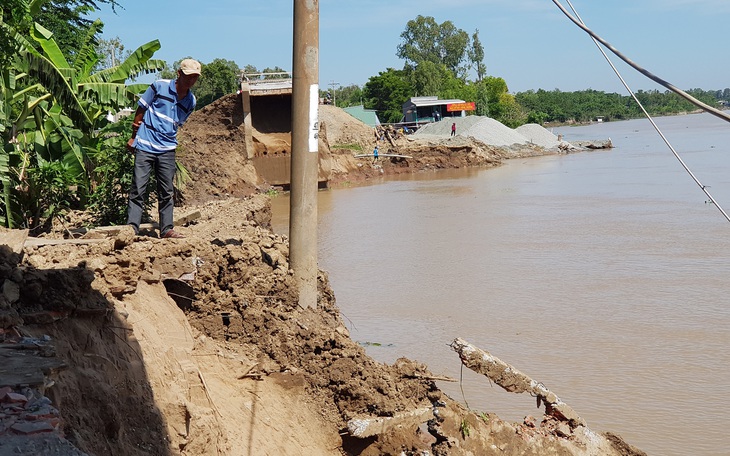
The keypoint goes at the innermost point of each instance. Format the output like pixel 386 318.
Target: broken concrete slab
pixel 25 367
pixel 366 427
pixel 512 380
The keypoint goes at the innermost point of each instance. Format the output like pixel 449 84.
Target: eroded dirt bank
pixel 197 346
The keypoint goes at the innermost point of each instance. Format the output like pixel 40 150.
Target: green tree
pixel 169 72
pixel 350 95
pixel 17 19
pixel 219 77
pixel 68 20
pixel 428 78
pixel 476 56
pixel 482 99
pixel 386 94
pixel 509 112
pixel 276 73
pixel 252 73
pixel 426 40
pixel 501 105
pixel 110 52
pixel 249 69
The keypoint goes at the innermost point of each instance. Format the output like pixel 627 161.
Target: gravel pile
pixel 443 127
pixel 538 135
pixel 490 131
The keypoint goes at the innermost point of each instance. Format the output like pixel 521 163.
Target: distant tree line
pixel 583 106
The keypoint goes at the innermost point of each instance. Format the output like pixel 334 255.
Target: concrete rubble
pixel 30 424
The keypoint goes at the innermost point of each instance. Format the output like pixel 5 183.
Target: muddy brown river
pixel 603 275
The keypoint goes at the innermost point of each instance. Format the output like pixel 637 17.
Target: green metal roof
pixel 366 116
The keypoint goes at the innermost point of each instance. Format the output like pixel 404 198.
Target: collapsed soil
pixel 212 148
pixel 198 346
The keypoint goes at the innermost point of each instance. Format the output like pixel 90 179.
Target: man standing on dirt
pixel 375 154
pixel 453 129
pixel 162 109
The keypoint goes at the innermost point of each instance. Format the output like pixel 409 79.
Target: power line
pixel 577 20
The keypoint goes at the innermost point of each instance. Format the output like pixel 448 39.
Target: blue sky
pixel 529 43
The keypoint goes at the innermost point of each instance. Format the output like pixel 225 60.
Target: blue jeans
pixel 164 166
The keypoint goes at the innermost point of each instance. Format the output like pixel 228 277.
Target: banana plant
pixel 93 93
pixel 58 105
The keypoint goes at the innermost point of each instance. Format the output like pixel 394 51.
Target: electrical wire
pixel 596 39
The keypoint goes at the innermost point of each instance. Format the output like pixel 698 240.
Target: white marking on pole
pixel 313 118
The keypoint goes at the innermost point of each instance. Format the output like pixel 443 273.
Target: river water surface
pixel 603 275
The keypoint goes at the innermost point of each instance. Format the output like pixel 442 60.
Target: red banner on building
pixel 468 106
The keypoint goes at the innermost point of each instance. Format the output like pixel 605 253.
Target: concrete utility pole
pixel 305 147
pixel 334 85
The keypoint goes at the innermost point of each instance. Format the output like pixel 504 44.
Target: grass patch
pixel 347 146
pixel 465 429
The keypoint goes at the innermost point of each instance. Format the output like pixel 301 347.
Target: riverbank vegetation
pixel 584 106
pixel 57 131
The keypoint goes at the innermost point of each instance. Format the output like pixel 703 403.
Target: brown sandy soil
pixel 197 346
pixel 213 150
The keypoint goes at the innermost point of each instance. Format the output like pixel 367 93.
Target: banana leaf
pixel 140 61
pixel 44 37
pixel 47 73
pixel 86 58
pixel 106 95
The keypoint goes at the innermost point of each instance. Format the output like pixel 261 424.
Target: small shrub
pixel 112 175
pixel 49 191
pixel 465 428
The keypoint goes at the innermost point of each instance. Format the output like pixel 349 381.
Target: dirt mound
pixel 213 149
pixel 343 129
pixel 234 267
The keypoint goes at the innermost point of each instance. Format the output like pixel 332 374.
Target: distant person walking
pixel 162 109
pixel 375 154
pixel 453 129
